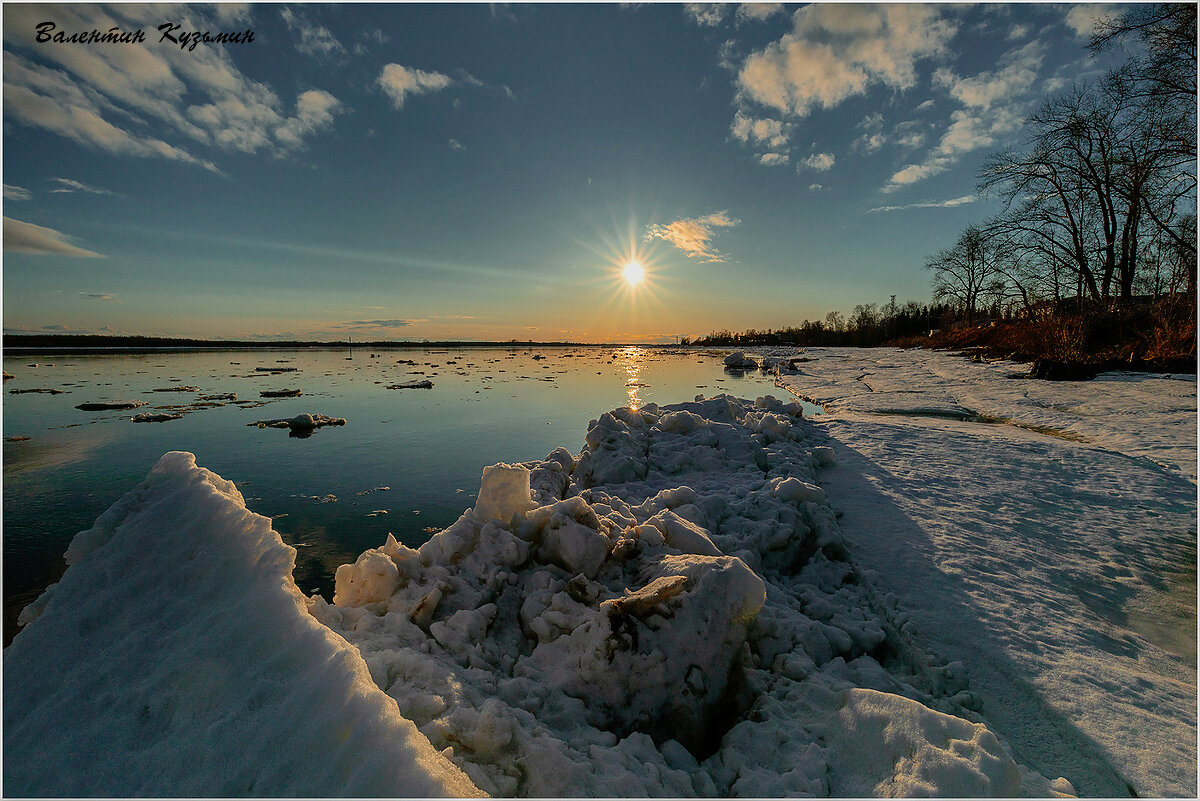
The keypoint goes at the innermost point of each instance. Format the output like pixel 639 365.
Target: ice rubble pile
pixel 672 612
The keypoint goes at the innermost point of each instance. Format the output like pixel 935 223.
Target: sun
pixel 633 273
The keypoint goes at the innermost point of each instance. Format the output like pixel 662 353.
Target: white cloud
pixel 758 11
pixel 16 193
pixel 91 92
pixel 457 145
pixel 836 51
pixel 771 133
pixel 815 187
pixel 1083 18
pixel 820 162
pixel 399 82
pixel 67 185
pixel 774 159
pixel 994 105
pixel 873 136
pixel 315 40
pixel 1018 32
pixel 706 14
pixel 931 204
pixel 315 109
pixel 23 237
pixel 693 235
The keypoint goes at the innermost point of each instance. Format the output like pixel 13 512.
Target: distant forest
pixel 1093 256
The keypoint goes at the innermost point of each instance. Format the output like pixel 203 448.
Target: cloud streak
pixel 23 237
pixel 930 204
pixel 694 235
pixel 67 186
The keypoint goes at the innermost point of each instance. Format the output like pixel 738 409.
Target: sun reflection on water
pixel 633 358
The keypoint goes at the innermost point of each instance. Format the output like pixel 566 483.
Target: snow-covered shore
pixel 676 610
pixel 1057 560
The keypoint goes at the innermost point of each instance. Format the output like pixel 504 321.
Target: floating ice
pixel 160 417
pixel 739 360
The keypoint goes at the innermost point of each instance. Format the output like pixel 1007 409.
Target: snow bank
pixel 177 658
pixel 671 612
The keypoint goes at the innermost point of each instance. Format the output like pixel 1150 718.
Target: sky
pixel 485 172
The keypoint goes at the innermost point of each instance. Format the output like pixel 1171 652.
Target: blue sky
pixel 483 172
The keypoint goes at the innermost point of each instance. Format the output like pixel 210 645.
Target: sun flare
pixel 633 273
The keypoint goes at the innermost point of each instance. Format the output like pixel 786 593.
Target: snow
pixel 645 618
pixel 1055 560
pixel 1143 415
pixel 718 597
pixel 177 658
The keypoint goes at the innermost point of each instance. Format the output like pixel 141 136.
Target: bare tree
pixel 964 271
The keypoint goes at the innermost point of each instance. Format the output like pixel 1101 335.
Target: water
pixel 427 446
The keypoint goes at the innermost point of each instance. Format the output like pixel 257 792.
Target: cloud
pixel 1083 18
pixel 821 162
pixel 706 14
pixel 994 107
pixel 693 235
pixel 367 324
pixel 873 137
pixel 315 40
pixel 90 94
pixel 768 132
pixel 399 82
pixel 758 11
pixel 1018 32
pixel 815 187
pixel 457 145
pixel 931 204
pixel 66 185
pixel 99 296
pixel 315 109
pixel 836 51
pixel 16 193
pixel 23 237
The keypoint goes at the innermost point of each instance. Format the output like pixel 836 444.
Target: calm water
pixel 427 446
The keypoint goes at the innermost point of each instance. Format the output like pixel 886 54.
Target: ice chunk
pixel 887 745
pixel 794 490
pixel 737 359
pixel 372 578
pixel 824 455
pixel 504 492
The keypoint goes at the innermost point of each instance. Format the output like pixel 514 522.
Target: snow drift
pixel 671 612
pixel 177 658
